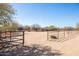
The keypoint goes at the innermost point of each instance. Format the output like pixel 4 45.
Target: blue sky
pixel 46 14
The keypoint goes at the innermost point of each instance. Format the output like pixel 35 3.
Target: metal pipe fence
pixel 9 39
pixel 62 35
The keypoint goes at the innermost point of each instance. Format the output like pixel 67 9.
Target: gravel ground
pixel 34 50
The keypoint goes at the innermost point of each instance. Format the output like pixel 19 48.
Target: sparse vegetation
pixel 27 27
pixel 77 26
pixel 51 27
pixel 8 24
pixel 35 27
pixel 69 28
pixel 6 13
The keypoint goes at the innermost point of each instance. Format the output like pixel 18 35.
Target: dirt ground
pixel 69 47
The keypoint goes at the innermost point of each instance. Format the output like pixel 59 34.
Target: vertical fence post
pixel 58 34
pixel 47 35
pixel 64 34
pixel 23 38
pixel 68 35
pixel 10 39
pixel 10 36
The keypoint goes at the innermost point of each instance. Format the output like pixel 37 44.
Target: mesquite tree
pixel 6 13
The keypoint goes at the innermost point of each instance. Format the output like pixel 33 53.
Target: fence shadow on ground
pixel 33 50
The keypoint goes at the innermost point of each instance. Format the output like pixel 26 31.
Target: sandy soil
pixel 68 48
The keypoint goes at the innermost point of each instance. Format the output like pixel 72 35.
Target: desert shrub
pixel 20 28
pixel 77 26
pixel 51 27
pixel 27 28
pixel 35 27
pixel 68 28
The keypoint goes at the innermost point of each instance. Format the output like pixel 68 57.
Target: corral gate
pixel 62 35
pixel 9 39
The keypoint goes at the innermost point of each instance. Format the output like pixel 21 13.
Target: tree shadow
pixel 33 50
